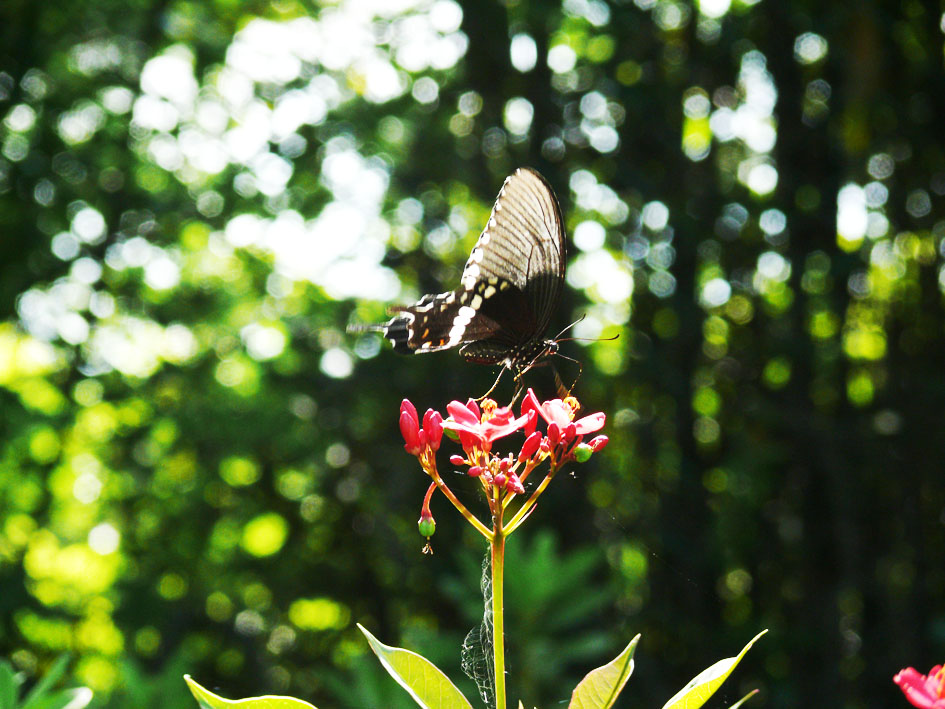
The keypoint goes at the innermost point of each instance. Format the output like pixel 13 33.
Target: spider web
pixel 478 646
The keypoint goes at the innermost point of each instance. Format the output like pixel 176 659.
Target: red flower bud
pixel 530 447
pixel 545 446
pixel 410 432
pixel 569 432
pixel 406 407
pixel 457 460
pixel 500 480
pixel 598 443
pixel 514 484
pixel 504 464
pixel 433 427
pixel 475 471
pixel 554 434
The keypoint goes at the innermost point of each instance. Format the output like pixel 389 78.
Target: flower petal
pixel 555 410
pixel 589 424
pixel 461 414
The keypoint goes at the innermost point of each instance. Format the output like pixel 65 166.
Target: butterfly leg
pixel 494 385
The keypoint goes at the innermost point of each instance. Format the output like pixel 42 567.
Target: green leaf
pixel 8 686
pixel 209 700
pixel 426 683
pixel 703 685
pixel 54 674
pixel 744 699
pixel 600 687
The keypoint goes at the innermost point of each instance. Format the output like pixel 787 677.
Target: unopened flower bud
pixel 530 447
pixel 433 427
pixel 514 484
pixel 407 407
pixel 582 452
pixel 569 432
pixel 475 471
pixel 504 465
pixel 457 460
pixel 554 434
pixel 545 446
pixel 598 443
pixel 426 524
pixel 499 480
pixel 410 431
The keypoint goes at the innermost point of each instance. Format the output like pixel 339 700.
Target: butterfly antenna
pixel 583 315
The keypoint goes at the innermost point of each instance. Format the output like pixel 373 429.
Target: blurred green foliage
pixel 199 470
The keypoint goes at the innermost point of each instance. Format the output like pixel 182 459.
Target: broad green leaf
pixel 744 699
pixel 426 683
pixel 209 700
pixel 600 687
pixel 703 685
pixel 55 672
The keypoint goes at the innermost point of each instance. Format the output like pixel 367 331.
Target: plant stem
pixel 498 619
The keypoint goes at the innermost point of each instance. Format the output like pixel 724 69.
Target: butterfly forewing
pixel 509 289
pixel 523 245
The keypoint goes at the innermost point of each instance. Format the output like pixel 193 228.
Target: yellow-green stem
pixel 498 619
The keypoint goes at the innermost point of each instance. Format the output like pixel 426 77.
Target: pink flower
pixel 558 412
pixel 923 691
pixel 472 430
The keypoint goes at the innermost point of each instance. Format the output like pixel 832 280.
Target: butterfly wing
pixel 510 286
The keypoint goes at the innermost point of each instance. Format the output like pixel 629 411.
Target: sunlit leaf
pixel 426 683
pixel 209 700
pixel 599 688
pixel 703 685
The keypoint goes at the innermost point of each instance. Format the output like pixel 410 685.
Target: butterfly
pixel 510 287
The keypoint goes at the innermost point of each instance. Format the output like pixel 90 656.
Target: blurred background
pixel 201 472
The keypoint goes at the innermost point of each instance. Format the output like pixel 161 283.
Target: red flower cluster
pixel 923 691
pixel 478 428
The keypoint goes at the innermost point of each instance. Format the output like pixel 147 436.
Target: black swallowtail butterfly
pixel 510 286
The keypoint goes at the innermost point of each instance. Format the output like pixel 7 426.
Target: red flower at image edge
pixel 923 691
pixel 473 430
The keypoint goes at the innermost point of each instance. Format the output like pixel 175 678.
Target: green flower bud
pixel 426 525
pixel 583 452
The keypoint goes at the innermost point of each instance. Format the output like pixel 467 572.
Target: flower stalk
pixel 501 477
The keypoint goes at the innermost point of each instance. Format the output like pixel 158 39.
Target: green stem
pixel 524 509
pixel 498 619
pixel 461 508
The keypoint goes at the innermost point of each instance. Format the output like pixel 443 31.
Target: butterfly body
pixel 509 289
